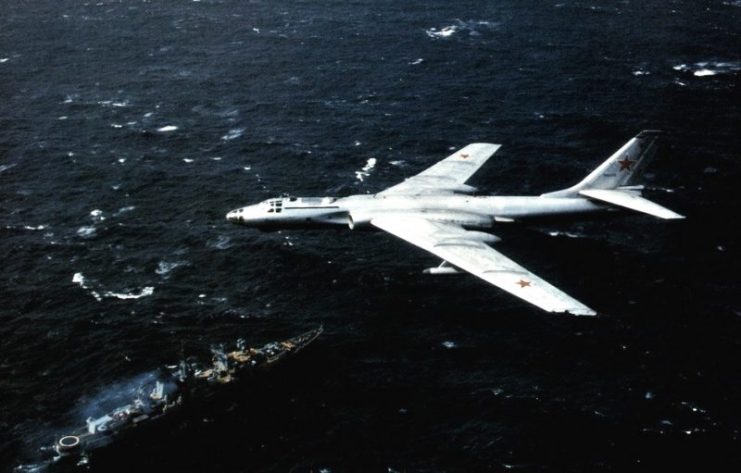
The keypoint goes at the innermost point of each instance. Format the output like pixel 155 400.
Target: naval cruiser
pixel 174 388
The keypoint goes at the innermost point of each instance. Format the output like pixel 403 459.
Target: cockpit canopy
pixel 277 205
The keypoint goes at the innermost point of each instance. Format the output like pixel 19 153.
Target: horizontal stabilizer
pixel 630 200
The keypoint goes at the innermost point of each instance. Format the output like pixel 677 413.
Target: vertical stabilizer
pixel 623 168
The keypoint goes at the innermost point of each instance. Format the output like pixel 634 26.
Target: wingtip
pixel 582 311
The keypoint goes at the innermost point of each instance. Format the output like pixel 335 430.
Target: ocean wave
pixel 222 242
pixel 124 210
pixel 167 128
pixel 365 170
pixel 164 268
pixel 709 68
pixel 80 280
pixel 233 134
pixel 87 231
pixel 472 27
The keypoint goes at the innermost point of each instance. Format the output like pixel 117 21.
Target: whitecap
pixel 449 344
pixel 121 160
pixel 166 128
pixel 256 30
pixel 416 61
pixel 365 171
pixel 187 160
pixel 704 72
pixel 67 99
pixel 36 228
pixel 399 162
pixel 5 167
pixel 122 210
pixel 164 268
pixel 116 125
pixel 124 103
pixel 86 231
pixel 62 117
pixel 144 292
pixel 5 59
pixel 233 134
pixel 640 72
pixel 443 32
pixel 216 158
pixel 566 234
pixel 97 215
pixel 79 279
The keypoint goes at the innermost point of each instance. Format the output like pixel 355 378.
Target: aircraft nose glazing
pixel 234 216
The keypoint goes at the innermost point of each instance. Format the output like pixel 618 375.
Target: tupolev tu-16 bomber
pixel 437 211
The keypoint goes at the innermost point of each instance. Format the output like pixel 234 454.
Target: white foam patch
pixel 473 27
pixel 365 170
pixel 79 279
pixel 399 162
pixel 144 292
pixel 36 228
pixel 97 215
pixel 704 72
pixel 708 68
pixel 3 60
pixel 167 128
pixel 449 344
pixel 5 167
pixel 417 61
pixel 444 32
pixel 566 234
pixel 123 210
pixel 87 231
pixel 233 134
pixel 641 72
pixel 187 160
pixel 164 268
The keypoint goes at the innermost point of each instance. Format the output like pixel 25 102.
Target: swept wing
pixel 449 175
pixel 466 251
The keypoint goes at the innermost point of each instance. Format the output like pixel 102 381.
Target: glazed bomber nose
pixel 234 216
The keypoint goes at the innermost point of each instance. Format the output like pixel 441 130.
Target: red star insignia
pixel 464 156
pixel 523 283
pixel 626 164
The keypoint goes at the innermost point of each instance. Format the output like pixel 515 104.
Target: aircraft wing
pixel 466 251
pixel 449 175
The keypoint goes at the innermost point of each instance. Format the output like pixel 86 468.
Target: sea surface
pixel 129 128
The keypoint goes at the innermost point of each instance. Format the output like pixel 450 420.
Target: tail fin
pixel 623 168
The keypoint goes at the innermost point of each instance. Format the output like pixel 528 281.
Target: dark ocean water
pixel 129 128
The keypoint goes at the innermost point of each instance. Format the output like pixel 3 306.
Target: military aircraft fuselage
pixel 357 211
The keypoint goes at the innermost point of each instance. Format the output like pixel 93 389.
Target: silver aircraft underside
pixel 435 211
